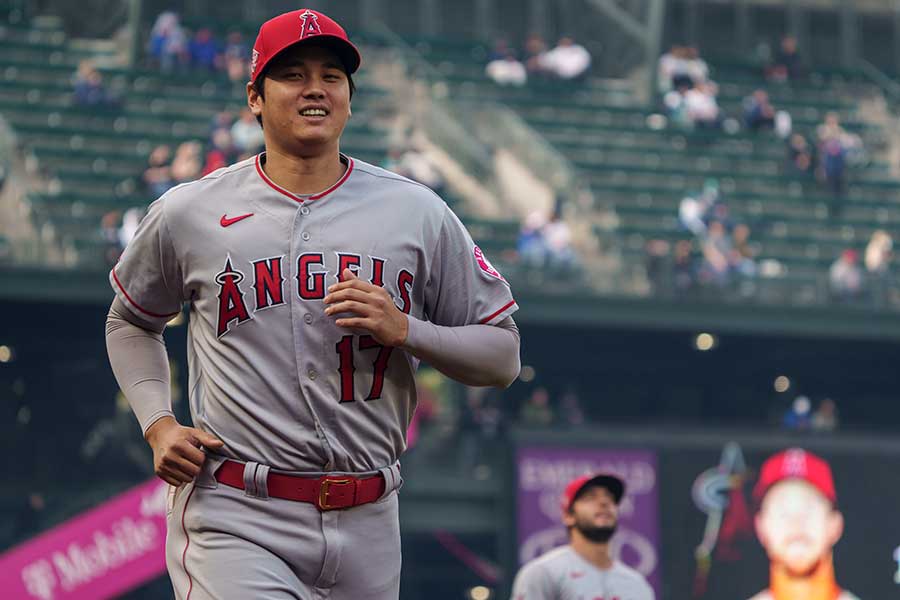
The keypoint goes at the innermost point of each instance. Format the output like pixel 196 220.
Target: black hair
pixel 260 87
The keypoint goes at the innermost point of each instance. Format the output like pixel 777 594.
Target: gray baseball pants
pixel 224 543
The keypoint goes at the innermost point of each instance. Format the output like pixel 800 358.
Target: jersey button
pixel 307 318
pixel 304 236
pixel 312 374
pixel 304 210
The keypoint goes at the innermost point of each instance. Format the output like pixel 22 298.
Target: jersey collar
pixel 261 158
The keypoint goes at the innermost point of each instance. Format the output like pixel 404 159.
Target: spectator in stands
pixel 568 61
pixel 758 111
pixel 879 252
pixel 672 70
pixel 416 165
pixel 537 412
pixel 221 154
pixel 681 67
pixel 701 106
pixel 531 246
pixel 696 68
pixel 131 218
pixel 204 51
pixel 187 164
pixel 693 209
pixel 507 70
pixel 480 423
pixel 675 103
pixel 89 89
pixel 168 43
pixel 786 65
pixel 571 412
pixel 558 237
pixel 684 269
pixel 825 418
pixel 798 417
pixel 499 51
pixel 656 265
pixel 741 258
pixel 717 248
pixel 158 174
pixel 799 156
pixel 535 53
pixel 235 57
pixel 109 231
pixel 845 277
pixel 246 134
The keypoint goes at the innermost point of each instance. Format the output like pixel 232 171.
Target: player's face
pixel 306 100
pixel 797 526
pixel 594 508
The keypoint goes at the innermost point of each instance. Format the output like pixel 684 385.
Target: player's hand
pixel 177 456
pixel 372 307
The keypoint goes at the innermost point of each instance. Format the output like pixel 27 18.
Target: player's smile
pixel 314 113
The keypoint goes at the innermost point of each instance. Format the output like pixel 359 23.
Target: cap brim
pixel 345 50
pixel 614 484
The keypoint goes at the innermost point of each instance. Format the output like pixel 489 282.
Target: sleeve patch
pixel 485 265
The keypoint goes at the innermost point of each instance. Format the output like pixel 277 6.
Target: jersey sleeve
pixel 532 583
pixel 148 277
pixel 463 287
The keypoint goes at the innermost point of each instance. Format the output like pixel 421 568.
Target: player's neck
pixel 818 585
pixel 592 552
pixel 304 175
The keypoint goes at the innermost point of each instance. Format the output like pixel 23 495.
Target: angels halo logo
pixel 486 265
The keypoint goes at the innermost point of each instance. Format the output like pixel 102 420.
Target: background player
pixel 315 284
pixel 584 568
pixel 798 524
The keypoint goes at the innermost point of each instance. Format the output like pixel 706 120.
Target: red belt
pixel 328 492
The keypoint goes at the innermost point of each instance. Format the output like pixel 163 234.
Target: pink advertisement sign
pixel 100 554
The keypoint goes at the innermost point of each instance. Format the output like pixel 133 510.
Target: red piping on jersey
pixel 486 319
pixel 294 197
pixel 186 544
pixel 136 305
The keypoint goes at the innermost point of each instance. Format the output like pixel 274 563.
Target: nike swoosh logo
pixel 225 222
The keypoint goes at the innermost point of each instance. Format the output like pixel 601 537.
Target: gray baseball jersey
pixel 562 574
pixel 270 374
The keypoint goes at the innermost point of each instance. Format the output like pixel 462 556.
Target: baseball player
pixel 315 284
pixel 584 568
pixel 798 524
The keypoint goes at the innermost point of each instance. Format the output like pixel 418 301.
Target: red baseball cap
pixel 795 463
pixel 298 26
pixel 614 484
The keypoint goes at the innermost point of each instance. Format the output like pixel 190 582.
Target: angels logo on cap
pixel 486 265
pixel 254 60
pixel 310 24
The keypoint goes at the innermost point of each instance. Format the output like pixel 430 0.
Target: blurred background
pixel 693 200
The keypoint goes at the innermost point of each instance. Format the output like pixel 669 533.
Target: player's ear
pixel 760 527
pixel 254 99
pixel 568 518
pixel 835 526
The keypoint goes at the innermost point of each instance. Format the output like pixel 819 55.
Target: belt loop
pixel 207 477
pixel 250 478
pixel 392 479
pixel 262 482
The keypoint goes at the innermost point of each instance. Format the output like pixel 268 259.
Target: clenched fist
pixel 373 307
pixel 177 456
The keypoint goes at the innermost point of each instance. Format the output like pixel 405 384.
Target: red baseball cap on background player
pixel 615 485
pixel 298 27
pixel 795 463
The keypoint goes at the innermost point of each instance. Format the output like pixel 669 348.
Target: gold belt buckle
pixel 324 489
